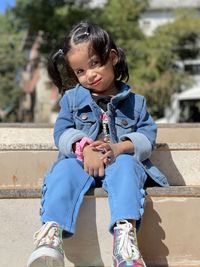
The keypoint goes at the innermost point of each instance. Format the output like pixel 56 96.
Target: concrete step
pixel 27 152
pixel 169 234
pixel 24 166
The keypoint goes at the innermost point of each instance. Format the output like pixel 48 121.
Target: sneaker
pixel 125 247
pixel 49 247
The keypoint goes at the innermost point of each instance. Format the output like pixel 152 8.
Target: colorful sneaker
pixel 49 247
pixel 125 247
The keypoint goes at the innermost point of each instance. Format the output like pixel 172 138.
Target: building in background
pixel 161 12
pixel 185 106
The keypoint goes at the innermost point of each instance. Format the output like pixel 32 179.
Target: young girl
pixel 105 136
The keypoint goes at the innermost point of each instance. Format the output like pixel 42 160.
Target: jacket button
pixel 124 122
pixel 84 116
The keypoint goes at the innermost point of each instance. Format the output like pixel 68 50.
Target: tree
pixel 151 59
pixel 52 17
pixel 121 20
pixel 11 58
pixel 20 27
pixel 155 74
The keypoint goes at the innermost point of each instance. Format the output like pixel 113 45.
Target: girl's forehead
pixel 79 54
pixel 76 48
pixel 82 49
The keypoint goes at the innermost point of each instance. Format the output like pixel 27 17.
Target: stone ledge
pixel 172 191
pixel 51 147
pixel 21 136
pixel 25 147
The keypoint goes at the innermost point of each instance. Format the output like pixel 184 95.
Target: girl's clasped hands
pixel 98 155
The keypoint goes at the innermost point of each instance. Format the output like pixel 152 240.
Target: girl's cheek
pixel 82 80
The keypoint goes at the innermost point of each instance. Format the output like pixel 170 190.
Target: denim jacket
pixel 128 118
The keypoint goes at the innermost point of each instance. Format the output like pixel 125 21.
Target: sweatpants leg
pixel 63 191
pixel 124 181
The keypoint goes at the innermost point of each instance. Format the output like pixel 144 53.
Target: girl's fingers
pixel 95 173
pixel 101 171
pixel 106 147
pixel 96 143
pixel 107 161
pixel 99 149
pixel 105 155
pixel 107 158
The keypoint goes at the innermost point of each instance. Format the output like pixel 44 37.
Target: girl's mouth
pixel 96 82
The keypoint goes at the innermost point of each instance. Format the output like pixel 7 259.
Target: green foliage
pixel 154 73
pixel 151 59
pixel 11 59
pixel 51 17
pixel 121 20
pixel 19 27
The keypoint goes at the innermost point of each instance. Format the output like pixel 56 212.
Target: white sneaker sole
pixel 45 257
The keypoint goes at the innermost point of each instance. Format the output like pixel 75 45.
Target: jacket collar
pixel 124 91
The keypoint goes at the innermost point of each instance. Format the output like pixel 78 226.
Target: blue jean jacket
pixel 128 118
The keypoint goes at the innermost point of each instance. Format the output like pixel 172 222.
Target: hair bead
pixel 58 53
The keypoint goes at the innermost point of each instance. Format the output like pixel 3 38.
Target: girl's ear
pixel 113 56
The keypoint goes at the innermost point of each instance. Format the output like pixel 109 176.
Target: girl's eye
pixel 78 72
pixel 94 63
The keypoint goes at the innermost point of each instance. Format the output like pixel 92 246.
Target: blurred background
pixel 161 40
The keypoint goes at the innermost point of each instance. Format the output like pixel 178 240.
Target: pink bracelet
pixel 80 146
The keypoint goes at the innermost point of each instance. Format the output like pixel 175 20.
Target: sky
pixel 6 3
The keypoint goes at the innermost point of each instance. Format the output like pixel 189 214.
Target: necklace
pixel 105 130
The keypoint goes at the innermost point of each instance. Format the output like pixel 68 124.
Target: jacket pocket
pixel 84 118
pixel 125 125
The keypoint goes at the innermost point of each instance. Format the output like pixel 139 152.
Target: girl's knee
pixel 127 169
pixel 127 159
pixel 65 165
pixel 64 172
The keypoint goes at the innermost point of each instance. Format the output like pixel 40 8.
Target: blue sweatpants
pixel 66 184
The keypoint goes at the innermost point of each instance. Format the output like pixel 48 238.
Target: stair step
pixel 169 234
pixel 172 191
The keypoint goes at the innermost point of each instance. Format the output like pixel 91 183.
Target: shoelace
pixel 47 235
pixel 127 243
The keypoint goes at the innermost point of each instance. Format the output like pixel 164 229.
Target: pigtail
pixel 53 69
pixel 121 68
pixel 60 72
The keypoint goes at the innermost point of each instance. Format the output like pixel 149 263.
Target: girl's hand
pixel 92 162
pixel 111 151
pixel 108 151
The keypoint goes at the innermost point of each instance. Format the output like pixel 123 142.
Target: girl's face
pixel 100 79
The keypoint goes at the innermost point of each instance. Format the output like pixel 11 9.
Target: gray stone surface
pixel 178 191
pixel 40 137
pixel 168 235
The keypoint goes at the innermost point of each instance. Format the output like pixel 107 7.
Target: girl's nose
pixel 91 74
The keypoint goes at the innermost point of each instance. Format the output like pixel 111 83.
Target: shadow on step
pixel 162 157
pixel 85 242
pixel 151 237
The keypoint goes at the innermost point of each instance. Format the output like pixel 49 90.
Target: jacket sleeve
pixel 65 133
pixel 144 136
